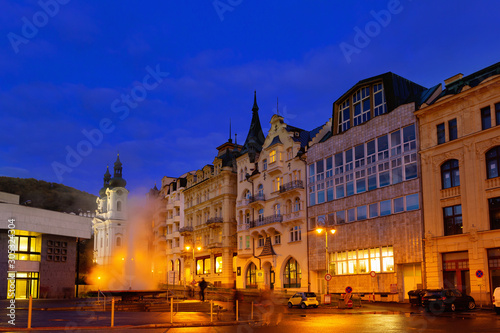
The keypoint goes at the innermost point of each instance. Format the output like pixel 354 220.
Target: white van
pixel 496 300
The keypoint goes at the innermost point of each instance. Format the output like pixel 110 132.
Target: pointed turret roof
pixel 107 178
pixel 117 180
pixel 255 138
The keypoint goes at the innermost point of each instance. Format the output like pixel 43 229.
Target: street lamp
pixel 332 231
pixel 193 263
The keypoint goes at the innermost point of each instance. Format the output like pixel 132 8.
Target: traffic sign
pixel 328 277
pixel 373 274
pixel 348 290
pixel 479 273
pixel 349 303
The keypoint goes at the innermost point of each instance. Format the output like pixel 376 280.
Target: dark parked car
pixel 447 299
pixel 416 296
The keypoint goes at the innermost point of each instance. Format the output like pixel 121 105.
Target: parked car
pixel 496 300
pixel 447 299
pixel 304 300
pixel 416 296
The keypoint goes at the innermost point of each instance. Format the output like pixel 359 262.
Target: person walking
pixel 203 285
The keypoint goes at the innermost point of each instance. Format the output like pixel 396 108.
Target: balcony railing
pixel 186 229
pixel 291 185
pixel 258 197
pixel 214 220
pixel 264 221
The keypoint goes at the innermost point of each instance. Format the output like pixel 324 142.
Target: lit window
pixel 251 281
pixel 218 264
pixel 272 156
pixel 292 274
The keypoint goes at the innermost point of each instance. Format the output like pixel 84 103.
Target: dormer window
pixel 272 156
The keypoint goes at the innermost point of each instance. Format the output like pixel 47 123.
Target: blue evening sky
pixel 69 67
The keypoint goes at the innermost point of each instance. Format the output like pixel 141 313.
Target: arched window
pixel 450 176
pixel 261 214
pixel 247 194
pixel 178 265
pixel 277 210
pixel 292 274
pixel 260 190
pixel 247 217
pixel 297 205
pixel 119 206
pixel 118 241
pixel 492 162
pixel 251 281
pixel 171 265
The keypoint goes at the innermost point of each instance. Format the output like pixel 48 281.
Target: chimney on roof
pixel 453 78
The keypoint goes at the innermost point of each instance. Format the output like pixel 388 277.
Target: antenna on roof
pixel 230 140
pixel 235 138
pixel 277 110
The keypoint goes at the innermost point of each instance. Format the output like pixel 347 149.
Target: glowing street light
pixel 193 264
pixel 332 231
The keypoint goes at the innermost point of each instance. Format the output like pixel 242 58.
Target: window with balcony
pixel 277 210
pixel 260 190
pixel 452 220
pixel 485 118
pixel 261 215
pixel 492 162
pixel 292 274
pixel 450 176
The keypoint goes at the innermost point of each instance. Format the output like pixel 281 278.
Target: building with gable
pixel 271 207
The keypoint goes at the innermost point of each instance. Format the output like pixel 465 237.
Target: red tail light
pixel 442 299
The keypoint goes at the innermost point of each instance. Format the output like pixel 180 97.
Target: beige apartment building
pixel 271 207
pixel 363 181
pixel 460 153
pixel 168 222
pixel 210 221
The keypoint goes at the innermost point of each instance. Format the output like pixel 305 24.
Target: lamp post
pixel 193 263
pixel 332 231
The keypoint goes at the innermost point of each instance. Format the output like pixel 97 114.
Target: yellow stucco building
pixel 460 153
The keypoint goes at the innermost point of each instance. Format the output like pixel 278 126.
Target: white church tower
pixel 110 222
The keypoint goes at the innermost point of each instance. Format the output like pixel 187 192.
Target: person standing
pixel 203 285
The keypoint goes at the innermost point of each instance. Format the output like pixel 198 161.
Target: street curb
pixel 173 325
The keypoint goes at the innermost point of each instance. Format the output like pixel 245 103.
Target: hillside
pixel 51 196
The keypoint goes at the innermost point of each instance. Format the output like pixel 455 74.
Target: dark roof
pixel 255 137
pixel 426 94
pixel 276 140
pixel 398 90
pixel 326 137
pixel 268 248
pixel 228 157
pixel 471 80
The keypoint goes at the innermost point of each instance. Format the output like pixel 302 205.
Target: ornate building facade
pixel 209 220
pixel 460 151
pixel 363 181
pixel 271 207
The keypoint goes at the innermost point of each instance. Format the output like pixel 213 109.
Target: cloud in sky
pixel 66 78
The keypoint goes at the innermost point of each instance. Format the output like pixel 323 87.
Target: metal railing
pixel 186 229
pixel 291 185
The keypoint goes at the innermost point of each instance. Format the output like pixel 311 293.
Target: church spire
pixel 255 107
pixel 117 180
